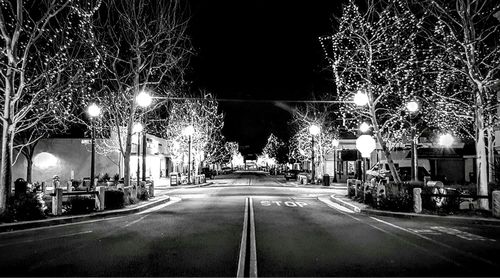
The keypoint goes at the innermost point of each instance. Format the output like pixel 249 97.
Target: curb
pixel 357 209
pixel 7 227
pixel 345 204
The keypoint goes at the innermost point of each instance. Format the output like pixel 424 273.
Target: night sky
pixel 260 50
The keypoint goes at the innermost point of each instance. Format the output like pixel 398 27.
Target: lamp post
pixel 137 128
pixel 335 144
pixel 313 130
pixel 143 99
pixel 94 111
pixel 188 131
pixel 413 107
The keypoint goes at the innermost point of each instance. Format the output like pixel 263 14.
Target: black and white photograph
pixel 250 138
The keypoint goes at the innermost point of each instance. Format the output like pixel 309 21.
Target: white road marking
pixel 243 244
pixel 172 201
pixel 290 204
pixel 425 231
pixel 336 206
pixel 253 244
pixel 135 221
pixel 460 234
pixel 468 254
pixel 61 225
pixel 41 239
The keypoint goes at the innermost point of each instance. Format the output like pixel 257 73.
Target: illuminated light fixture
pixel 446 140
pixel 143 99
pixel 314 130
pixel 94 110
pixel 188 130
pixel 364 127
pixel 412 106
pixel 137 128
pixel 360 98
pixel 366 145
pixel 45 160
pixel 335 142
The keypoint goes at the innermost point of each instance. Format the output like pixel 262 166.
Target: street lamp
pixel 446 140
pixel 365 144
pixel 360 98
pixel 335 144
pixel 137 128
pixel 94 111
pixel 413 107
pixel 364 127
pixel 313 130
pixel 144 100
pixel 188 131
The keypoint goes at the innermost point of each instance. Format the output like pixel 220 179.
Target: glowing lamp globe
pixel 366 145
pixel 446 140
pixel 412 106
pixel 364 127
pixel 314 130
pixel 94 110
pixel 360 99
pixel 335 142
pixel 143 99
pixel 189 130
pixel 45 160
pixel 137 128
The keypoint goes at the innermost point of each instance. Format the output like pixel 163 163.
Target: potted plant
pixel 116 179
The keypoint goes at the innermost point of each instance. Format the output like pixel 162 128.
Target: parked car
pixel 291 174
pixel 404 173
pixel 226 170
pixel 208 172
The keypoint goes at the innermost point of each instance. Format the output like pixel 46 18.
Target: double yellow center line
pixel 247 263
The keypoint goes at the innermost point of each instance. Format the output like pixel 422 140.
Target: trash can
pixel 326 180
pixel 173 179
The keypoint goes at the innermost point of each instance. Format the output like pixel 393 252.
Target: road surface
pixel 252 224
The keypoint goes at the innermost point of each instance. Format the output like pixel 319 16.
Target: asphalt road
pixel 252 224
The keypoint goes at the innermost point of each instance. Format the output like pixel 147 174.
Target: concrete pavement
pixel 289 231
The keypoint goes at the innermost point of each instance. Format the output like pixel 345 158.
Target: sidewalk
pixel 363 208
pixel 160 198
pixel 336 185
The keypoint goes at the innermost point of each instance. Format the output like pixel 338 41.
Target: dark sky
pixel 259 50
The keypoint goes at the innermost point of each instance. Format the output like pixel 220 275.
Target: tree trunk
pixel 126 158
pixel 491 155
pixel 29 169
pixel 481 161
pixel 387 152
pixel 5 167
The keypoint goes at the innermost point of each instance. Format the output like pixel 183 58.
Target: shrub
pixel 81 205
pixel 397 202
pixel 28 206
pixel 129 199
pixel 143 194
pixel 114 199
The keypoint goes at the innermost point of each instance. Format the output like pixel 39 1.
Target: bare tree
pixel 145 48
pixel 464 57
pixel 43 67
pixel 303 118
pixel 207 141
pixel 374 52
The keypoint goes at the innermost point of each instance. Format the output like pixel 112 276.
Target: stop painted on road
pixel 290 204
